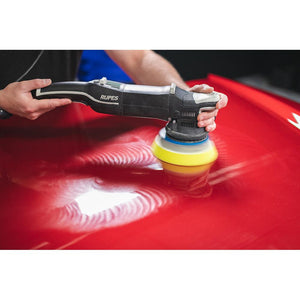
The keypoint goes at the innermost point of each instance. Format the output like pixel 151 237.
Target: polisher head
pixel 188 154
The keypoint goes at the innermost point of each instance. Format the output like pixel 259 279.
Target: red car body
pixel 76 179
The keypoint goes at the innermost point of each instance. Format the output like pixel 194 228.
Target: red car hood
pixel 75 179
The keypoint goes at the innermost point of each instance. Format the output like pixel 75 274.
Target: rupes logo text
pixel 109 98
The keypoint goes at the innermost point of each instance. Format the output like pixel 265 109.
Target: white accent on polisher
pixel 202 97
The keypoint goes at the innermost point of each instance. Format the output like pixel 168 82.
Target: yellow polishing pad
pixel 184 155
pixel 187 170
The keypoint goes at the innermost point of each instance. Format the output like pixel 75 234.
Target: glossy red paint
pixel 75 179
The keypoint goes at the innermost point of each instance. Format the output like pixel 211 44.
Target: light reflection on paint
pixel 118 153
pixel 90 204
pixel 96 201
pixel 238 169
pixel 155 166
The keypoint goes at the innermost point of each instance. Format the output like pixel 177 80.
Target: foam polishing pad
pixel 183 153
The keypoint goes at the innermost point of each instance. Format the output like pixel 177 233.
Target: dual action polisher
pixel 180 143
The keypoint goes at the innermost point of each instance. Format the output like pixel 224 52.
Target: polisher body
pixel 181 142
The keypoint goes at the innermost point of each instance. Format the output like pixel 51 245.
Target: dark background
pixel 280 67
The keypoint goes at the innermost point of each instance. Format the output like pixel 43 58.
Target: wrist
pixel 3 113
pixel 182 85
pixel 1 97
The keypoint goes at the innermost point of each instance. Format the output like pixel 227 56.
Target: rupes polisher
pixel 180 143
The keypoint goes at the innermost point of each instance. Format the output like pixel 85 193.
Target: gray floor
pixel 261 82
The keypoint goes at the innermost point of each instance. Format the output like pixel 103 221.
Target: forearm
pixel 147 67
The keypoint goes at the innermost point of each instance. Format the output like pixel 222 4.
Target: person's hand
pixel 207 119
pixel 16 99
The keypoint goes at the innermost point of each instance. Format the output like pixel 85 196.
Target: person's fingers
pixel 39 107
pixel 223 102
pixel 29 85
pixel 207 115
pixel 206 122
pixel 201 88
pixel 49 104
pixel 211 127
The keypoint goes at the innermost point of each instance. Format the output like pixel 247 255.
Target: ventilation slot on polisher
pixel 187 124
pixel 189 114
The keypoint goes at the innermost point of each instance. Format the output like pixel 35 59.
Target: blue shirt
pixel 96 64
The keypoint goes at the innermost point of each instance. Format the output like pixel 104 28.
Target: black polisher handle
pixel 112 97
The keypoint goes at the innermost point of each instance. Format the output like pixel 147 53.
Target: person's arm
pixel 16 99
pixel 148 67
